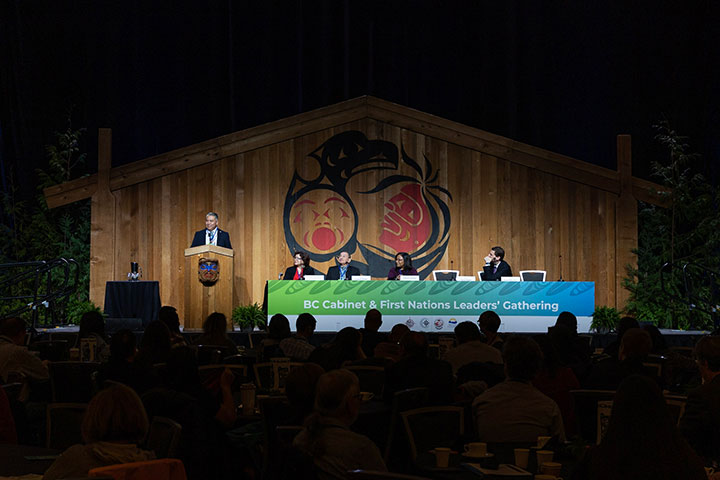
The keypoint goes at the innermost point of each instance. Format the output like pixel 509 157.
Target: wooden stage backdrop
pixel 370 175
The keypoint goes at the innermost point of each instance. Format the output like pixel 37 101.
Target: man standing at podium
pixel 212 235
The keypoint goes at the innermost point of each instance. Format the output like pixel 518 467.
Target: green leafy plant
pixel 685 230
pixel 605 319
pixel 249 316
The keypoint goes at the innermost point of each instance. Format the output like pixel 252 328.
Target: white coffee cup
pixel 522 455
pixel 476 449
pixel 442 456
pixel 551 468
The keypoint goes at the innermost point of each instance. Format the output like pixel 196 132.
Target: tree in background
pixel 684 231
pixel 34 232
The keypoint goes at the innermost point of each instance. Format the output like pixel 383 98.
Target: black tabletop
pixel 17 460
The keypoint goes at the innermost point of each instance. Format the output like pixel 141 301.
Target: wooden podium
pixel 202 300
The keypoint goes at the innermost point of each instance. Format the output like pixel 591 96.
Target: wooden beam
pixel 626 218
pixel 102 223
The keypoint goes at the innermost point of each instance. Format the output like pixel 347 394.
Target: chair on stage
pixel 162 469
pixel 533 275
pixel 63 424
pixel 431 427
pixel 445 274
pixel 72 381
pixel 163 437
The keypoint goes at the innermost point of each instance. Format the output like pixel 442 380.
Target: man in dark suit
pixel 701 422
pixel 212 235
pixel 343 271
pixel 495 267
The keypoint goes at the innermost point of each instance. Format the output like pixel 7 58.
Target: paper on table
pixel 504 470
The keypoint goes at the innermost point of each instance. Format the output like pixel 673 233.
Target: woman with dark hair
pixel 154 349
pixel 114 424
pixel 92 325
pixel 556 381
pixel 215 333
pixel 345 347
pixel 169 316
pixel 642 440
pixel 403 266
pixel 278 330
pixel 300 268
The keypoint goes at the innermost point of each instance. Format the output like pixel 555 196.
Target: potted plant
pixel 604 319
pixel 249 316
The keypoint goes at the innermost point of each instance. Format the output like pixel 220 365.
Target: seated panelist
pixel 342 271
pixel 403 266
pixel 301 268
pixel 211 235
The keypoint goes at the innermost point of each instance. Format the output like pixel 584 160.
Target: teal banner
pixel 430 300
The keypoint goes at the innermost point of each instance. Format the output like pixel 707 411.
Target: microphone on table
pixel 560 279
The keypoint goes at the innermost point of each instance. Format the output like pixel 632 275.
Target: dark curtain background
pixel 566 76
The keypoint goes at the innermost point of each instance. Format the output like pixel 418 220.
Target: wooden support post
pixel 626 220
pixel 102 223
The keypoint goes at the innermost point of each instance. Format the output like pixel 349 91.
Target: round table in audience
pixel 17 460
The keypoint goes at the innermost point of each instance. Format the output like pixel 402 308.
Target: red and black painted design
pixel 416 220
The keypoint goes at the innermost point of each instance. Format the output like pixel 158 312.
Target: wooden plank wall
pixel 542 220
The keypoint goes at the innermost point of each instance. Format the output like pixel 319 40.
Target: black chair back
pixel 164 437
pixel 64 422
pixel 72 381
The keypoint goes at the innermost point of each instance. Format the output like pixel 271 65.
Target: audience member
pixel 14 356
pixel 300 386
pixel 391 348
pixel 470 348
pixel 92 325
pixel 8 434
pixel 625 324
pixel 573 350
pixel 278 330
pixel 114 424
pixel 327 437
pixel 641 441
pixel 634 349
pixel 514 410
pixel 203 415
pixel 169 316
pixel 489 323
pixel 345 347
pixel 215 333
pixel 371 337
pixel 119 367
pixel 556 381
pixel 298 347
pixel 701 422
pixel 154 350
pixel 416 369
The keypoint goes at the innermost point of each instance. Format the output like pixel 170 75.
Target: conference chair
pixel 63 424
pixel 164 437
pixel 72 381
pixel 445 274
pixel 53 350
pixel 372 378
pixel 431 427
pixel 403 401
pixel 586 411
pixel 676 405
pixel 533 275
pixel 480 273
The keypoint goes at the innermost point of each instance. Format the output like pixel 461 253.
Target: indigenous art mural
pixel 320 216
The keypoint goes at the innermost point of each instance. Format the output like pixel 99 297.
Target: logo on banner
pixel 320 215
